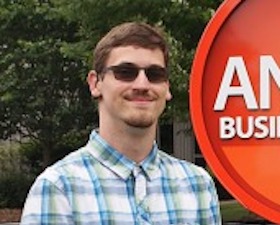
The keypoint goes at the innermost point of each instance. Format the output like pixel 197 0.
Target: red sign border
pixel 195 95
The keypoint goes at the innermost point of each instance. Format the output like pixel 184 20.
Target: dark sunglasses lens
pixel 156 74
pixel 125 73
pixel 128 73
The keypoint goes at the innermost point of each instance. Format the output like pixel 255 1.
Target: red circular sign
pixel 234 100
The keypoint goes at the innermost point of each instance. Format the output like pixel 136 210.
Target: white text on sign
pixel 257 127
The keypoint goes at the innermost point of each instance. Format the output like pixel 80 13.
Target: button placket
pixel 140 193
pixel 140 184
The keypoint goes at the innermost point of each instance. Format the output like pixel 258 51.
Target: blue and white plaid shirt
pixel 98 185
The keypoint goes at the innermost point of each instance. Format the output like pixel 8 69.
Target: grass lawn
pixel 234 211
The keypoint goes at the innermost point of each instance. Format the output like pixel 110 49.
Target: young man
pixel 121 177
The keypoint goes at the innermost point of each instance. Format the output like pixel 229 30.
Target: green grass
pixel 234 211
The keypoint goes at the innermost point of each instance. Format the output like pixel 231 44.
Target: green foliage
pixel 32 150
pixel 45 53
pixel 13 189
pixel 32 154
pixel 16 176
pixel 182 20
pixel 43 93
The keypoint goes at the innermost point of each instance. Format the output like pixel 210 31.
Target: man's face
pixel 138 102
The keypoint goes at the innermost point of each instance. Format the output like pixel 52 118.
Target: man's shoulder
pixel 183 168
pixel 71 166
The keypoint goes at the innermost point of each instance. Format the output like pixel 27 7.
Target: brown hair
pixel 130 33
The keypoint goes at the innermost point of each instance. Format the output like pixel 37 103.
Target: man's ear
pixel 168 96
pixel 93 83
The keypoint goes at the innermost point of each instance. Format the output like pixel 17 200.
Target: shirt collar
pixel 151 163
pixel 119 163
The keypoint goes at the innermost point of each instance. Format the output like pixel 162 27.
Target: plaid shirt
pixel 98 185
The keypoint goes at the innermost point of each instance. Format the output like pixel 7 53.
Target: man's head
pixel 131 61
pixel 131 33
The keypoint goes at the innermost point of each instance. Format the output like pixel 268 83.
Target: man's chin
pixel 140 123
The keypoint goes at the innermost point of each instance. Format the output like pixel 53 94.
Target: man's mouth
pixel 139 98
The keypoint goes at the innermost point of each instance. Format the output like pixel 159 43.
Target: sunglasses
pixel 128 72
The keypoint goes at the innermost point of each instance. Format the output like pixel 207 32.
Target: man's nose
pixel 141 80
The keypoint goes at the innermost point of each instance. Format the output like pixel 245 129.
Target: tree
pixel 43 95
pixel 45 53
pixel 182 20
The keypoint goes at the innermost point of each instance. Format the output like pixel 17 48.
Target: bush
pixel 31 155
pixel 15 176
pixel 14 187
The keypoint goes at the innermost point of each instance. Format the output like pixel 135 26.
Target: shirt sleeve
pixel 214 204
pixel 209 202
pixel 46 204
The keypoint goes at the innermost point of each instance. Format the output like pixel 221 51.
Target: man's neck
pixel 134 143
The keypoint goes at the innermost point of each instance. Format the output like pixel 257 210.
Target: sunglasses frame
pixel 128 72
